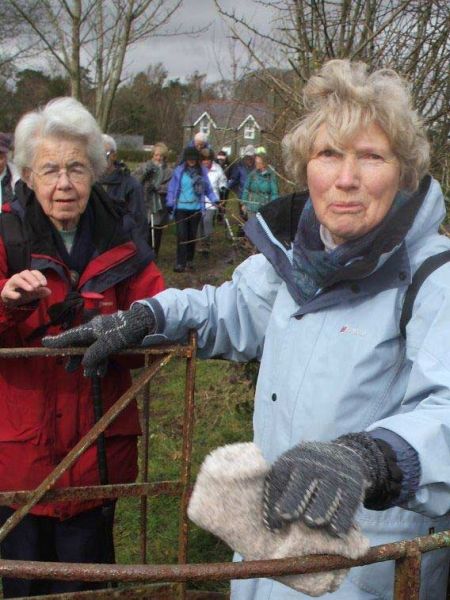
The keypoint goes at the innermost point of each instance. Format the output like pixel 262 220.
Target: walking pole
pixel 91 305
pixel 152 228
pixel 229 229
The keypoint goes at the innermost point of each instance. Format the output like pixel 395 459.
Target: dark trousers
pixel 187 224
pixel 79 539
pixel 154 239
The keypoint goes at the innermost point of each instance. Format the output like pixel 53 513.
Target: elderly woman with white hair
pixel 352 406
pixel 79 260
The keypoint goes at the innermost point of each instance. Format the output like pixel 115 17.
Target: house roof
pixel 229 114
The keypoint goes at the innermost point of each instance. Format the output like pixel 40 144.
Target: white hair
pixel 109 142
pixel 63 118
pixel 200 137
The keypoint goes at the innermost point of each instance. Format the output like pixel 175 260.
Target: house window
pixel 204 127
pixel 249 131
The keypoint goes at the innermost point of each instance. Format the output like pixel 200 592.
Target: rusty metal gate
pixel 169 581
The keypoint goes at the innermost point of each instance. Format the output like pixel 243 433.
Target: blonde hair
pixel 346 97
pixel 163 149
pixel 64 118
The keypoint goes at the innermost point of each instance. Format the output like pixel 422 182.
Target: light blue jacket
pixel 174 188
pixel 339 367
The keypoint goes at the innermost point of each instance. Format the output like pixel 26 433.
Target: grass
pixel 223 408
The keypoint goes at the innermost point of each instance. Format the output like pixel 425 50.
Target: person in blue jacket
pixel 353 416
pixel 186 199
pixel 241 170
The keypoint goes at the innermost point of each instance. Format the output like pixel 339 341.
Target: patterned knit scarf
pixel 315 269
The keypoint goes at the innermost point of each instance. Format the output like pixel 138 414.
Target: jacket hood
pixel 429 216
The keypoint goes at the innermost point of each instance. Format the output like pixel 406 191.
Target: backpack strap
pixel 426 268
pixel 18 250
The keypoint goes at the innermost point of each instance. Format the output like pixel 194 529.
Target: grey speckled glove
pixel 227 500
pixel 322 484
pixel 106 335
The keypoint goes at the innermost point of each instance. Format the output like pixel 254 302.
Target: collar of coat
pixel 113 252
pixel 273 231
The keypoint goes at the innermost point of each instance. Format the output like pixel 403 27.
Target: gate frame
pixel 407 553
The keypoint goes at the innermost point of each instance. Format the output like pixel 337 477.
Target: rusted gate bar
pixel 155 592
pixel 83 444
pixel 144 467
pixel 96 492
pixel 218 571
pixel 407 575
pixel 174 350
pixel 188 427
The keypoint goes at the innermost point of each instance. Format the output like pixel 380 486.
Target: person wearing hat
pixel 260 187
pixel 8 172
pixel 188 188
pixel 241 170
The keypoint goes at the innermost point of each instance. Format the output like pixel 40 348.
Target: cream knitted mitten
pixel 228 501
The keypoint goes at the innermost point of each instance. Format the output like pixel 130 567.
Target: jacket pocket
pixel 23 403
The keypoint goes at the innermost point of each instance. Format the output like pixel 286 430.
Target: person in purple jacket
pixel 186 199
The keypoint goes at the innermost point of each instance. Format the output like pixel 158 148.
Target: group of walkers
pixel 346 306
pixel 194 193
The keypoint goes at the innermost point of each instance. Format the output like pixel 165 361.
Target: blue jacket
pixel 238 176
pixel 173 191
pixel 259 189
pixel 337 365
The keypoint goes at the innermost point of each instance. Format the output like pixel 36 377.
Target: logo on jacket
pixel 352 330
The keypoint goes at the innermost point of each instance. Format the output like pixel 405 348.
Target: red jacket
pixel 45 410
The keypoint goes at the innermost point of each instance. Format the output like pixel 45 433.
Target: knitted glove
pixel 106 335
pixel 322 484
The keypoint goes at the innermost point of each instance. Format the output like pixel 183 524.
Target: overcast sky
pixel 184 54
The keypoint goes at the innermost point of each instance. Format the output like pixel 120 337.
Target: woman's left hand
pixel 24 287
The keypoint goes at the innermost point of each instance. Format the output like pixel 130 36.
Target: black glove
pixel 323 484
pixel 107 335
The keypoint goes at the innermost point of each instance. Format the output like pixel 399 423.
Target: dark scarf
pixel 315 269
pixel 196 174
pixel 98 230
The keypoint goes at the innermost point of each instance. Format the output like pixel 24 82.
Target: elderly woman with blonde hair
pixel 352 406
pixel 155 175
pixel 81 260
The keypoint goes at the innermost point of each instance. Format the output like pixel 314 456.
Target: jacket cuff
pixel 158 313
pixel 407 461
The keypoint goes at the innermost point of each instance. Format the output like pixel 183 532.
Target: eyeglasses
pixel 76 174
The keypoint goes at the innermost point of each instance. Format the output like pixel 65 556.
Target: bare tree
pixel 13 45
pixel 93 36
pixel 411 36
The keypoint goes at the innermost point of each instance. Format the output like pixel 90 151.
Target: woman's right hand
pixel 24 287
